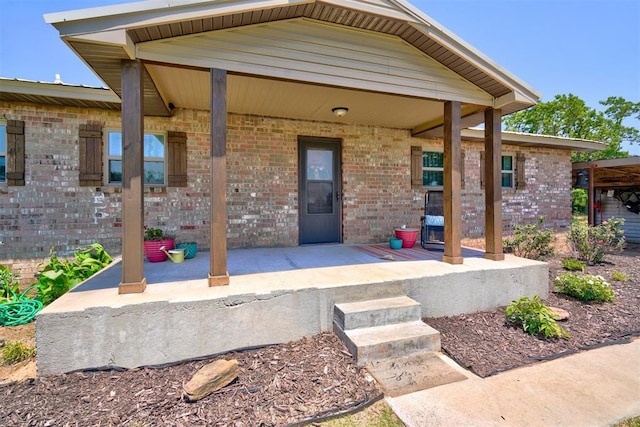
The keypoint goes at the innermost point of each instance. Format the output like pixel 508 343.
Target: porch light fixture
pixel 340 111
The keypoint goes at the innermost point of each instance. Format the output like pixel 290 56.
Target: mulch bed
pixel 314 377
pixel 485 344
pixel 277 385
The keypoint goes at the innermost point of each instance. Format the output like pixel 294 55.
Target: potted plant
pixel 155 243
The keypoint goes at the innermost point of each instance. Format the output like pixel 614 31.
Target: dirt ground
pixel 300 381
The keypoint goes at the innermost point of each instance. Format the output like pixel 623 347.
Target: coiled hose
pixel 19 311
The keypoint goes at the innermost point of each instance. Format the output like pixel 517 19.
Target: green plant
pixel 619 276
pixel 153 234
pixel 531 241
pixel 591 243
pixel 573 264
pixel 578 201
pixel 534 317
pixel 58 276
pixel 9 287
pixel 17 351
pixel 585 288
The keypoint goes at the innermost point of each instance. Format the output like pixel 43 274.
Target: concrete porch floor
pixel 275 295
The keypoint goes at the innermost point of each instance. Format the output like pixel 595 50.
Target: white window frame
pixel 511 172
pixel 3 153
pixel 108 158
pixel 432 169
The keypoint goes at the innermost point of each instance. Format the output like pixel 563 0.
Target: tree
pixel 569 116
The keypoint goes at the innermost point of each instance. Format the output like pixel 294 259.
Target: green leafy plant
pixel 619 276
pixel 584 287
pixel 534 317
pixel 9 286
pixel 58 276
pixel 531 241
pixel 578 201
pixel 153 234
pixel 17 351
pixel 591 243
pixel 573 264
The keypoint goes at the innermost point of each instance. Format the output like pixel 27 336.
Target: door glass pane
pixel 319 197
pixel 433 178
pixel 319 165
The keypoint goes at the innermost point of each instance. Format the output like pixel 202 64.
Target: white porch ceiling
pixel 188 88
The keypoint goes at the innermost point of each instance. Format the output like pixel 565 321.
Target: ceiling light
pixel 340 111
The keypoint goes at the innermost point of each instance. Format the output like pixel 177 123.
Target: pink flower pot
pixel 408 236
pixel 153 252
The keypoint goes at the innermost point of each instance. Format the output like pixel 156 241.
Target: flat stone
pixel 559 314
pixel 210 378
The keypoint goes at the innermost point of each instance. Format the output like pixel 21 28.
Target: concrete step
pixel 379 312
pixel 383 342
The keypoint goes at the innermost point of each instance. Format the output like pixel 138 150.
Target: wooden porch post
pixel 591 196
pixel 218 274
pixel 493 184
pixel 133 280
pixel 452 183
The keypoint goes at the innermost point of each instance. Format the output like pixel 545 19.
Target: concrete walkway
pixel 592 388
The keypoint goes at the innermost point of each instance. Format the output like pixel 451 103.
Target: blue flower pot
pixel 395 243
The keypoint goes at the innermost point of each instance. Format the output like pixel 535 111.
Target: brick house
pixel 272 124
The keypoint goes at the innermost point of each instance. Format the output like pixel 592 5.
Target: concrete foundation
pixel 182 319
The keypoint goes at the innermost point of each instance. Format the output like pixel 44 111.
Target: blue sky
pixel 590 48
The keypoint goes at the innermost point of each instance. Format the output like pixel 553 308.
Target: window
pixel 3 152
pixel 507 171
pixel 154 158
pixel 432 169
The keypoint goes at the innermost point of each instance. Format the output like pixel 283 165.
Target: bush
pixel 591 243
pixel 531 241
pixel 16 351
pixel 585 288
pixel 9 287
pixel 578 201
pixel 573 264
pixel 535 318
pixel 619 276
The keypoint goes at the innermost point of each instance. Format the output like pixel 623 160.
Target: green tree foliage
pixel 569 116
pixel 578 200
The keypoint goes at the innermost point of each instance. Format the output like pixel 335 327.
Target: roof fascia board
pixel 133 15
pixel 573 144
pixel 609 163
pixel 58 91
pixel 113 37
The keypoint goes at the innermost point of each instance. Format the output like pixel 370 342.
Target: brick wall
pixel 53 210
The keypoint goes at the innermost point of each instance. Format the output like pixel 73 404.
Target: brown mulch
pixel 485 344
pixel 277 385
pixel 314 377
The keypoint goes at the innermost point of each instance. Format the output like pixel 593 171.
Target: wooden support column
pixel 452 183
pixel 493 184
pixel 218 274
pixel 591 196
pixel 133 280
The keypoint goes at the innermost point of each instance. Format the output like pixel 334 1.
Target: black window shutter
pixel 15 152
pixel 90 142
pixel 177 159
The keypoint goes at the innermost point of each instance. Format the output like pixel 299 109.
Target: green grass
pixel 377 415
pixel 17 351
pixel 630 422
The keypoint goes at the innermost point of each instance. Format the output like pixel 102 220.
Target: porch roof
pixel 157 31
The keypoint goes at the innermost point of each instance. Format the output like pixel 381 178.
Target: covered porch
pixel 386 64
pixel 277 295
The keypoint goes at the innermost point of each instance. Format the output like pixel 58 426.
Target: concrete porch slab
pixel 275 295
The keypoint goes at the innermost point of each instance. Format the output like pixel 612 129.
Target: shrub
pixel 58 276
pixel 578 201
pixel 535 318
pixel 16 351
pixel 585 288
pixel 573 264
pixel 9 287
pixel 619 276
pixel 591 243
pixel 531 241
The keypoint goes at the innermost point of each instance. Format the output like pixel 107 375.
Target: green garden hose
pixel 20 310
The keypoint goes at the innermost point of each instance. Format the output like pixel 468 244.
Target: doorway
pixel 320 190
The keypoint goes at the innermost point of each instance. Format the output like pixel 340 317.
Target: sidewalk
pixel 592 388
